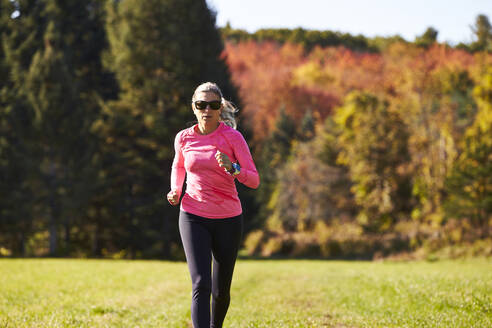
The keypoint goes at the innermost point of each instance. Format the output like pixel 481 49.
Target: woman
pixel 212 154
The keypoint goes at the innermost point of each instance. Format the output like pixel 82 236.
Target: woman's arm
pixel 178 171
pixel 248 175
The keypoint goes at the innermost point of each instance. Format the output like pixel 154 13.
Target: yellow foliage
pixel 253 241
pixel 274 223
pixel 273 246
pixel 312 74
pixel 149 121
pixel 5 252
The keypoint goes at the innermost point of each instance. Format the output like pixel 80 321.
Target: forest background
pixel 366 147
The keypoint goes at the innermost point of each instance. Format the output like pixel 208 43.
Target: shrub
pixel 253 242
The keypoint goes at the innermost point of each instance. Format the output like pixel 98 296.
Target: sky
pixel 451 18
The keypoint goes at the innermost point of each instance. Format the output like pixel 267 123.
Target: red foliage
pixel 272 76
pixel 263 73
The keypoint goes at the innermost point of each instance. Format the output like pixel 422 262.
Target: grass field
pixel 265 293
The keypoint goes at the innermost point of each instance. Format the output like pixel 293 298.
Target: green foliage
pixel 470 184
pixel 483 33
pixel 374 142
pixel 428 38
pixel 47 116
pixel 92 94
pixel 54 98
pixel 307 127
pixel 383 43
pixel 278 146
pixel 160 50
pixel 274 154
pixel 307 38
pixel 438 106
pixel 86 149
pixel 16 162
pixel 309 189
pixel 310 39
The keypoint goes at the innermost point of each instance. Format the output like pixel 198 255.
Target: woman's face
pixel 207 115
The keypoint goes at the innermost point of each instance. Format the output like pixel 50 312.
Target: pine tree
pixel 51 98
pixel 21 28
pixel 275 153
pixel 307 126
pixel 54 97
pixel 160 50
pixel 483 34
pixel 81 25
pixel 428 38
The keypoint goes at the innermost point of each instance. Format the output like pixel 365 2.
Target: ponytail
pixel 227 115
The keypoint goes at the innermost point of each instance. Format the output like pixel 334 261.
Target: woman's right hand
pixel 173 197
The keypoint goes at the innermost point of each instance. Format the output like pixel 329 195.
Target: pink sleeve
pixel 178 171
pixel 248 175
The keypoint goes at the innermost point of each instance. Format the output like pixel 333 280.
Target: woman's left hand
pixel 223 160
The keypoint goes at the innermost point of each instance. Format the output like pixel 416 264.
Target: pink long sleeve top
pixel 210 189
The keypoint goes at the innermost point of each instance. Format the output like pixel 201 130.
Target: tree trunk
pixel 67 235
pixel 54 210
pixel 96 242
pixel 22 245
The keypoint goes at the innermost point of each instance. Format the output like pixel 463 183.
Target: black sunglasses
pixel 202 104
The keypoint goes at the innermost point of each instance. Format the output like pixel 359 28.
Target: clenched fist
pixel 173 197
pixel 223 160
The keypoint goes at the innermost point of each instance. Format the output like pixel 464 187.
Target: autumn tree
pixel 311 187
pixel 374 143
pixel 470 183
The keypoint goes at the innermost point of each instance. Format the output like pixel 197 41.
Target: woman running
pixel 212 154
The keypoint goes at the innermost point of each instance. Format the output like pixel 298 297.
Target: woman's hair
pixel 228 109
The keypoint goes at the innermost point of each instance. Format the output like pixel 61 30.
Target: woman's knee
pixel 201 287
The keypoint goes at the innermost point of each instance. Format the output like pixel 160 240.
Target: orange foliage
pixel 263 73
pixel 270 76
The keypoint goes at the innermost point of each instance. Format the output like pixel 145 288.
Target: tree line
pixel 312 38
pixel 363 145
pixel 92 95
pixel 368 154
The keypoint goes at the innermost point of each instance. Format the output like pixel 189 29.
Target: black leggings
pixel 204 239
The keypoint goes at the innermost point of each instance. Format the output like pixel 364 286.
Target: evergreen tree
pixel 307 38
pixel 81 25
pixel 307 127
pixel 160 51
pixel 483 34
pixel 22 29
pixel 275 152
pixel 428 38
pixel 274 155
pixel 51 97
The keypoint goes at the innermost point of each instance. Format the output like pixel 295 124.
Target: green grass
pixel 276 293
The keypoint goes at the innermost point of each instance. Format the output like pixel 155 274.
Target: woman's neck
pixel 204 128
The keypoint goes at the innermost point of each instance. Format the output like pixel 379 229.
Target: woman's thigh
pixel 226 241
pixel 197 244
